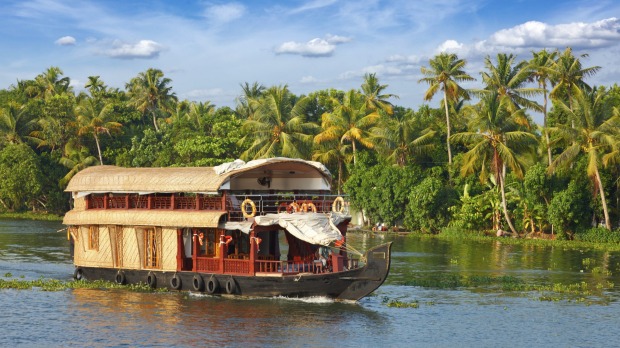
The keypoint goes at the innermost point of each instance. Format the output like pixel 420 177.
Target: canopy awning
pixel 314 228
pixel 143 218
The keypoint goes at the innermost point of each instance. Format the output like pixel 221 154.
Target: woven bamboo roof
pixel 144 218
pixel 180 179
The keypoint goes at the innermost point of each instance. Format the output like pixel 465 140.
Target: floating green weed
pixel 511 284
pixel 60 285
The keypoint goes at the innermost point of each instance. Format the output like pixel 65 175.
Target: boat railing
pixel 154 201
pixel 285 203
pixel 242 266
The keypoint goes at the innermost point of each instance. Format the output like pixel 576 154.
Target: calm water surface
pixel 470 317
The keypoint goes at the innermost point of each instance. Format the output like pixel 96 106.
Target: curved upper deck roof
pixel 192 179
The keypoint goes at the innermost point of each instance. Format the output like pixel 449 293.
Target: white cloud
pixel 316 47
pixel 313 48
pixel 534 34
pixel 450 46
pixel 220 14
pixel 144 49
pixel 65 41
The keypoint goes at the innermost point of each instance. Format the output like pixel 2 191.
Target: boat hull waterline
pixel 349 285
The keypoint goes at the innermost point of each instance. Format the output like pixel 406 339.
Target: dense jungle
pixel 472 159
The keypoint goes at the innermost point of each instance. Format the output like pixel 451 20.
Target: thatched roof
pixel 184 179
pixel 143 218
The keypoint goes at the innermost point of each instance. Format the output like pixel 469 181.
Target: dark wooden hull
pixel 348 285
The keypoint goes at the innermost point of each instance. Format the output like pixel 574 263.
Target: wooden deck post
pixel 195 251
pixel 223 251
pixel 180 250
pixel 253 247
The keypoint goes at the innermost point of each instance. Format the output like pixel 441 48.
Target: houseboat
pixel 263 228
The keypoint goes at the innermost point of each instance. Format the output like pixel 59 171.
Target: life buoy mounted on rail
pixel 338 205
pixel 244 208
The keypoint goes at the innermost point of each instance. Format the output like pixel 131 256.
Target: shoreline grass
pixel 30 216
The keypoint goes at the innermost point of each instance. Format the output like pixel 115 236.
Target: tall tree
pixel 278 126
pixel 76 157
pixel 95 86
pixel 594 133
pixel 51 83
pixel 94 118
pixel 350 123
pixel 569 75
pixel 16 123
pixel 496 142
pixel 402 137
pixel 445 71
pixel 508 79
pixel 150 92
pixel 374 94
pixel 540 71
pixel 250 92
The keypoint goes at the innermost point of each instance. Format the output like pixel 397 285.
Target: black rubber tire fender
pixel 231 286
pixel 198 283
pixel 175 282
pixel 151 280
pixel 213 286
pixel 78 274
pixel 119 278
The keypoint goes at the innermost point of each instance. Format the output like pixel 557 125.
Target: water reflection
pixel 206 320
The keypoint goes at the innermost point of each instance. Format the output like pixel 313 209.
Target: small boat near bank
pixel 263 228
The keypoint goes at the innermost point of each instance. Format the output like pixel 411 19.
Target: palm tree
pixel 507 79
pixel 496 142
pixel 402 137
pixel 278 126
pixel 51 83
pixel 95 86
pixel 75 158
pixel 250 92
pixel 350 123
pixel 150 93
pixel 569 74
pixel 540 71
pixel 16 123
pixel 373 93
pixel 333 152
pixel 594 133
pixel 93 118
pixel 445 71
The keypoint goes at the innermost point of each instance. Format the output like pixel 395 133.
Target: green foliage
pixel 154 149
pixel 569 209
pixel 598 235
pixel 427 210
pixel 20 177
pixel 382 192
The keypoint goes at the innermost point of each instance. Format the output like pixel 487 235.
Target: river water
pixel 434 315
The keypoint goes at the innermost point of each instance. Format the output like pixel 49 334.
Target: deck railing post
pixel 253 247
pixel 223 255
pixel 106 197
pixel 195 251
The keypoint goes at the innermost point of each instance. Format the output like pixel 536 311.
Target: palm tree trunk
pixel 98 148
pixel 354 155
pixel 339 175
pixel 445 102
pixel 545 124
pixel 504 205
pixel 155 122
pixel 603 201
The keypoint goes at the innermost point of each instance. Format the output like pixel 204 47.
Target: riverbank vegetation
pixel 472 159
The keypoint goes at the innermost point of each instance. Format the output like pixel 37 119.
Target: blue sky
pixel 209 48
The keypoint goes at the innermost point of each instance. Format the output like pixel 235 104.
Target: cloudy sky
pixel 208 48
